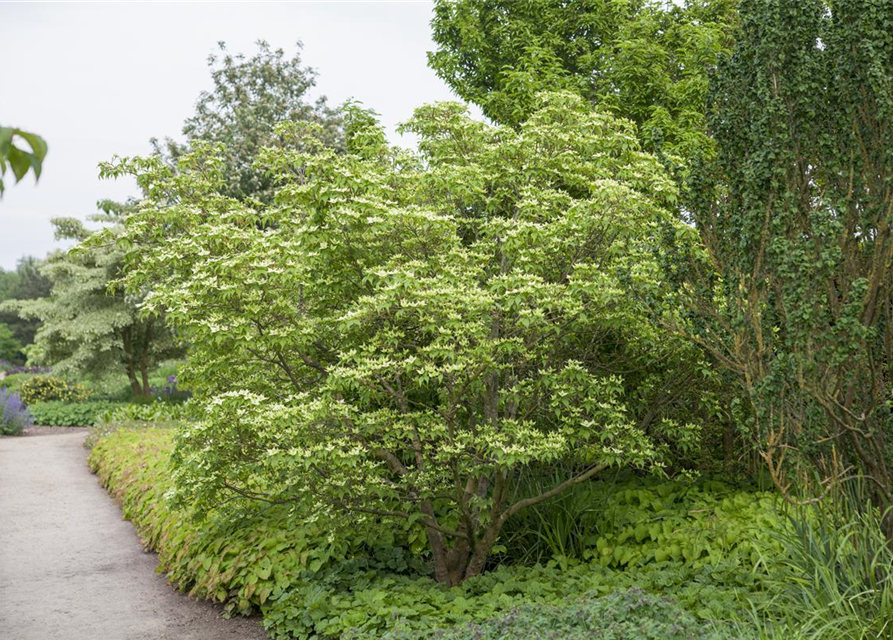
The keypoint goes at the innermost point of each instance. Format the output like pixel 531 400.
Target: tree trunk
pixel 728 444
pixel 127 339
pixel 482 550
pixel 144 358
pixel 450 563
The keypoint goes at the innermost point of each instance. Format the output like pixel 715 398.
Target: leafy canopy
pixel 638 59
pixel 404 335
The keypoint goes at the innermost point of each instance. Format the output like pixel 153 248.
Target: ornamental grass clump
pixel 14 415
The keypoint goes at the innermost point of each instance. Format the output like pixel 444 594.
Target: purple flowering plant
pixel 12 369
pixel 14 415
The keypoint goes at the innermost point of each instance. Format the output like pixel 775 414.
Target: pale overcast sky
pixel 101 79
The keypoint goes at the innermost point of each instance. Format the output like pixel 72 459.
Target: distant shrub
pixel 14 369
pixel 49 388
pixel 69 414
pixel 14 416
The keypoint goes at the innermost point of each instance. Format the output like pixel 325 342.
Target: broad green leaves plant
pixel 398 335
pixel 241 561
pixel 16 158
pixel 57 413
pixel 311 580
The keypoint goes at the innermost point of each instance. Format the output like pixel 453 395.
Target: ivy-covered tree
pixel 797 293
pixel 251 96
pixel 405 336
pixel 640 59
pixel 84 329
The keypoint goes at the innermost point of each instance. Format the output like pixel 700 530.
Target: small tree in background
pixel 10 348
pixel 251 96
pixel 405 336
pixel 795 289
pixel 85 330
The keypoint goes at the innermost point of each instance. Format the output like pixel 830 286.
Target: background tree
pixel 16 158
pixel 642 60
pixel 405 336
pixel 251 96
pixel 25 283
pixel 796 285
pixel 84 329
pixel 10 347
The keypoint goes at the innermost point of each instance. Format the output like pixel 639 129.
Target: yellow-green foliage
pixel 241 562
pixel 703 523
pixel 48 388
pixel 315 582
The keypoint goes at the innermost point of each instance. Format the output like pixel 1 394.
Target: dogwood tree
pixel 404 335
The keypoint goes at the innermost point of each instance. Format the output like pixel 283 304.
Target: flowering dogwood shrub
pixel 405 335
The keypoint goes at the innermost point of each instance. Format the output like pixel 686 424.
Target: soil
pixel 72 569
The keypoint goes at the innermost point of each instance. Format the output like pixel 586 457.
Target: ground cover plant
pixel 58 413
pixel 312 581
pixel 624 614
pixel 241 561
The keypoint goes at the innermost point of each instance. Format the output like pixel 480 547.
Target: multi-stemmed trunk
pixel 136 345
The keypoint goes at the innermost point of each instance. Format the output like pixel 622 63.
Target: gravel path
pixel 72 569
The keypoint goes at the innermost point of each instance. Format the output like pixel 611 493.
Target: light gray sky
pixel 101 79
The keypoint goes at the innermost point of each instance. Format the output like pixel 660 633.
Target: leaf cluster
pixel 15 158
